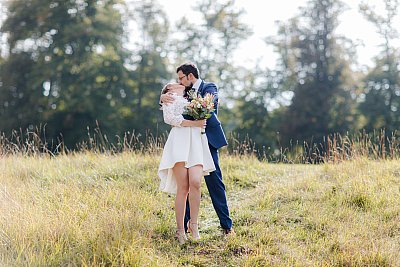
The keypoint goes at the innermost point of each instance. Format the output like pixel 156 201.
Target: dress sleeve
pixel 171 115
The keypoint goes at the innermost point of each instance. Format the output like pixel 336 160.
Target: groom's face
pixel 184 79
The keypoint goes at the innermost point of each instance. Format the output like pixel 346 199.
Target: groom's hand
pixel 166 99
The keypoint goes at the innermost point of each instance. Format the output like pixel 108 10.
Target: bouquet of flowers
pixel 200 108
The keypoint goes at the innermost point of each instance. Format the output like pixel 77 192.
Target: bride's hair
pixel 167 87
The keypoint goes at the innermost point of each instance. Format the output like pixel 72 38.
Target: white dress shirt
pixel 196 85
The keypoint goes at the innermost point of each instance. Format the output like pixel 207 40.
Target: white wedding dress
pixel 184 144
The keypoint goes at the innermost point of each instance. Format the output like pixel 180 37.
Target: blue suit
pixel 216 139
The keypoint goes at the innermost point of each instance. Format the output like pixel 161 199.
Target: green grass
pixel 90 209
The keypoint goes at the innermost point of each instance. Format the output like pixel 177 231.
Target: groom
pixel 188 76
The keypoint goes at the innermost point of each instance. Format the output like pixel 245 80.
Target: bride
pixel 186 158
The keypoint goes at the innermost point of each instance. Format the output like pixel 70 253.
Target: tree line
pixel 67 65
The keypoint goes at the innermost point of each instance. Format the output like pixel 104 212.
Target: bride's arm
pixel 169 115
pixel 177 120
pixel 165 96
pixel 198 123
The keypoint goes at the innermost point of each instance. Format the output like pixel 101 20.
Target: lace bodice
pixel 173 112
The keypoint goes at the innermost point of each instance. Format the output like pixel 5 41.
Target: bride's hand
pixel 200 123
pixel 167 98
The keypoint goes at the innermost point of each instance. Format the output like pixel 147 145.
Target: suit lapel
pixel 200 91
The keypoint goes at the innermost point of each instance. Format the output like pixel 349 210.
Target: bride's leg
pixel 195 175
pixel 182 181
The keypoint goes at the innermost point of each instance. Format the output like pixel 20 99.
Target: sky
pixel 260 16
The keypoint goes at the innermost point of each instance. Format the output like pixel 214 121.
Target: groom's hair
pixel 188 68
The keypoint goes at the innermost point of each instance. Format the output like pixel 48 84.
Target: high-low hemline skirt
pixel 188 145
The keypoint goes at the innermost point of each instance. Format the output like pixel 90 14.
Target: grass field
pixel 89 209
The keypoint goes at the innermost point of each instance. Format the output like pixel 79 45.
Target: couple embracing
pixel 189 155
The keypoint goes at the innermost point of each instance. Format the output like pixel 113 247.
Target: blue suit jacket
pixel 215 133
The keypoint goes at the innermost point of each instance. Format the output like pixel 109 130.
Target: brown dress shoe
pixel 228 232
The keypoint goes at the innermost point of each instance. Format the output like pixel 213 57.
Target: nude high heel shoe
pixel 194 229
pixel 181 236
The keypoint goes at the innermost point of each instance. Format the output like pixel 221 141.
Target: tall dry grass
pixel 94 209
pixel 99 205
pixel 334 148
